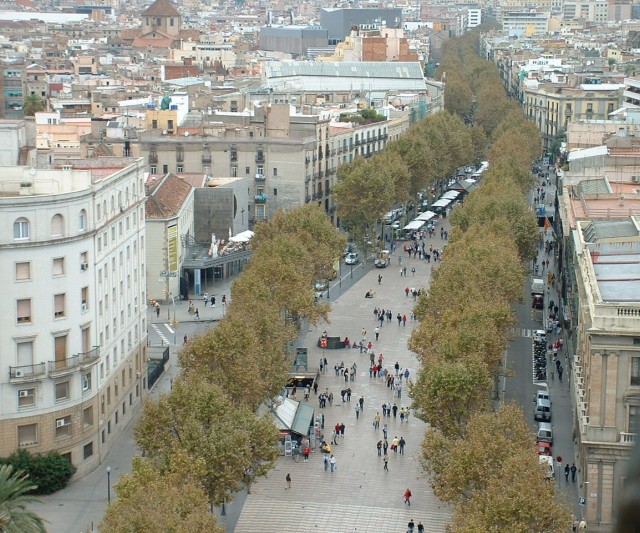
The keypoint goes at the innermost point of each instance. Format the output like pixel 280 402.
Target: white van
pixel 545 432
pixel 548 463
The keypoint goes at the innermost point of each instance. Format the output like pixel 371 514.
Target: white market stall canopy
pixel 427 215
pixel 443 202
pixel 451 195
pixel 245 236
pixel 414 224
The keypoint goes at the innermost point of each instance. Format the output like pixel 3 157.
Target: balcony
pixel 19 374
pixel 307 179
pixel 321 174
pixel 307 160
pixel 260 177
pixel 315 175
pixel 259 157
pixel 64 366
pixel 206 159
pixel 260 198
pixel 333 152
pixel 315 158
pixel 234 156
pixel 307 198
pixel 627 438
pixel 179 157
pixel 383 137
pixel 153 158
pixel 90 357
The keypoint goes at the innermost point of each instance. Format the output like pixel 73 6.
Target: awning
pixel 443 202
pixel 451 195
pixel 245 236
pixel 427 215
pixel 303 419
pixel 414 224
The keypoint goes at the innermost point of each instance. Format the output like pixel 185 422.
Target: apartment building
pixel 553 106
pixel 73 347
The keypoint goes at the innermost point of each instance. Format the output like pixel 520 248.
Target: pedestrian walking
pixel 395 410
pixel 404 320
pixel 407 497
pixel 376 421
pixel 399 317
pixel 560 370
pixel 307 451
pixel 361 402
pixel 567 470
pixel 379 448
pixel 357 411
pixel 333 463
pixel 386 461
pixel 379 279
pixel 197 315
pixel 420 527
pixel 573 472
pixel 413 271
pixel 385 431
pixel 401 444
pixel 157 311
pixel 184 343
pixel 402 413
pixel 326 463
pixel 377 332
pixel 288 479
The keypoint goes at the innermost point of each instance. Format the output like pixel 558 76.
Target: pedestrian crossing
pixel 157 329
pixel 526 333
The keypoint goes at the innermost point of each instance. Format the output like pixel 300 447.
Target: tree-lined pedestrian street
pixel 360 495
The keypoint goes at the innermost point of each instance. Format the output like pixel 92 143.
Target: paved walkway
pixel 360 495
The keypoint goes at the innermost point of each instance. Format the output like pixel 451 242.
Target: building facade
pixel 73 347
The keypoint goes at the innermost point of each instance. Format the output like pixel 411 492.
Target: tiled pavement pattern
pixel 359 495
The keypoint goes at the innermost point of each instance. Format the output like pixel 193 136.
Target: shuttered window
pixel 61 350
pixel 59 305
pixel 23 271
pixel 24 311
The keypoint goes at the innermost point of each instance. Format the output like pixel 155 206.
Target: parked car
pixel 548 464
pixel 544 448
pixel 395 225
pixel 545 432
pixel 542 410
pixel 352 259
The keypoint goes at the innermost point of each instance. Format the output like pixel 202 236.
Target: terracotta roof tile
pixel 161 8
pixel 165 196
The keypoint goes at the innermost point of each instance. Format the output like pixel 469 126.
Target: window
pixel 27 397
pixel 275 171
pixel 21 229
pixel 87 416
pixel 165 169
pixel 28 435
pixel 58 266
pixel 23 271
pixel 234 172
pixel 84 299
pixel 153 170
pixel 58 306
pixel 25 353
pixel 63 426
pixel 57 224
pixel 86 382
pixel 84 260
pixel 60 347
pixel 24 311
pixel 589 108
pixel 634 419
pixel 635 371
pixel 87 450
pixel 179 168
pixel 62 391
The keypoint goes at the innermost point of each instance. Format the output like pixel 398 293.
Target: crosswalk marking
pixel 526 333
pixel 160 334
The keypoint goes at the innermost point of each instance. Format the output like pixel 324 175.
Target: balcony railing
pixel 627 438
pixel 27 372
pixel 260 177
pixel 179 157
pixel 260 198
pixel 86 358
pixel 259 158
pixel 206 159
pixel 307 198
pixel 153 158
pixel 64 365
pixel 321 174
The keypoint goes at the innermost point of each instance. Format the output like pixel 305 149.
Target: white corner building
pixel 73 345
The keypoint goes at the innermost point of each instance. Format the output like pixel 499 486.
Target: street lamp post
pixel 175 324
pixel 109 484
